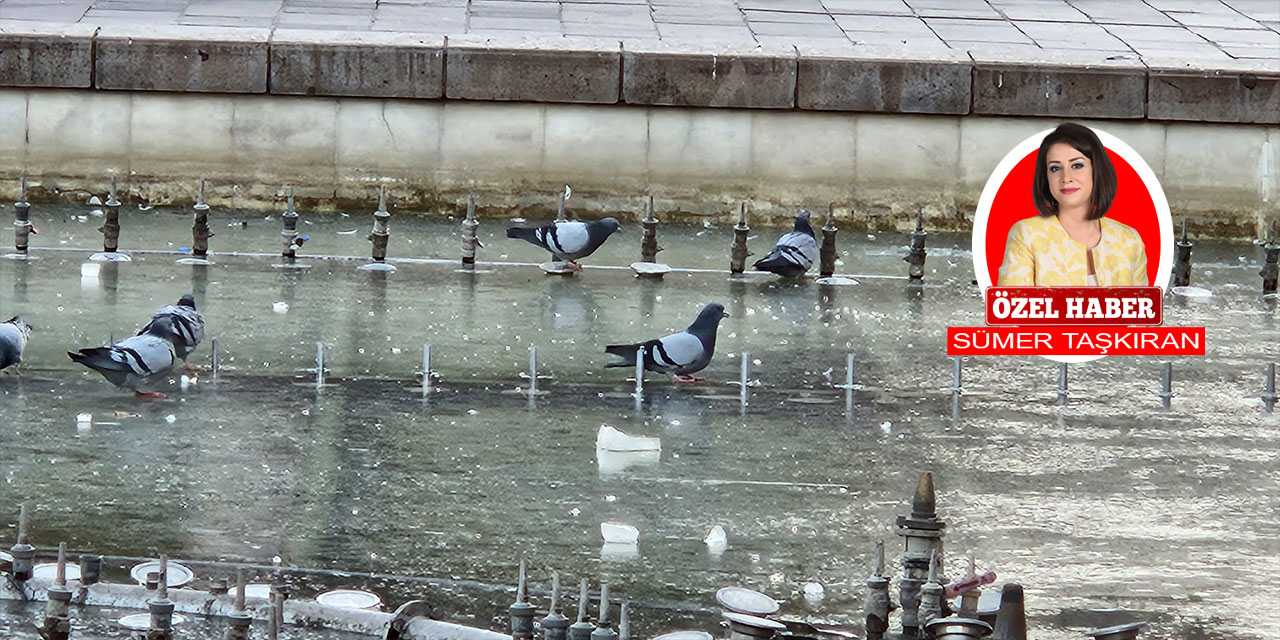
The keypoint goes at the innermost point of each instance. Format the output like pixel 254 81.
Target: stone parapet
pixel 816 74
pixel 181 58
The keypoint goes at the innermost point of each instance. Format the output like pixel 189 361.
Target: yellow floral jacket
pixel 1039 253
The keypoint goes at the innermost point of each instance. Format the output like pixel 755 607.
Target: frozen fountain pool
pixel 1108 511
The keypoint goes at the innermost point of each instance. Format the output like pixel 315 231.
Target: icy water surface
pixel 1108 511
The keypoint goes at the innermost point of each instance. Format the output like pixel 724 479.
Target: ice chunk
pixel 717 540
pixel 280 307
pixel 610 439
pixel 619 533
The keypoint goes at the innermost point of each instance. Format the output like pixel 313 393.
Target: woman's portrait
pixel 1072 242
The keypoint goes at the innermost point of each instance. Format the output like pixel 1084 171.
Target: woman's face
pixel 1070 176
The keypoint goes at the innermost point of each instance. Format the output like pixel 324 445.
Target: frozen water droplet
pixel 575 512
pixel 472 412
pixel 306 412
pixel 611 498
pixel 395 350
pixel 171 418
pixel 814 591
pixel 886 426
pixel 280 307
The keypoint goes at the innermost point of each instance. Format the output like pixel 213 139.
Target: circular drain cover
pixel 142 621
pixel 349 599
pixel 176 575
pixel 746 601
pixel 686 635
pixel 49 571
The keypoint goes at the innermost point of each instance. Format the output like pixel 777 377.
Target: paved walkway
pixel 1206 34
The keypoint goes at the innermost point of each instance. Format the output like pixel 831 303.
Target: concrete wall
pixel 879 169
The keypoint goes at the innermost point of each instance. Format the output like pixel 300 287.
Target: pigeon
pixel 679 354
pixel 135 362
pixel 13 339
pixel 569 241
pixel 186 322
pixel 795 251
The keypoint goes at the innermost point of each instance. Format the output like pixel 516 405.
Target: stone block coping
pixel 817 74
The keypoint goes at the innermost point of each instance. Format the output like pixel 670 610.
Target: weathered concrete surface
pixel 36 54
pixel 371 64
pixel 880 169
pixel 883 79
pixel 1244 92
pixel 1070 58
pixel 196 59
pixel 533 70
pixel 672 73
pixel 1083 85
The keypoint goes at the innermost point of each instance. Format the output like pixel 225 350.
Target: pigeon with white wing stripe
pixel 187 324
pixel 679 354
pixel 569 241
pixel 135 362
pixel 13 340
pixel 795 251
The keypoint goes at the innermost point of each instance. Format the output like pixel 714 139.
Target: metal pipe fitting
pixel 738 255
pixel 1182 259
pixel 469 239
pixel 916 255
pixel 200 229
pixel 555 626
pixel 22 227
pixel 289 232
pixel 381 227
pixel 876 606
pixel 521 612
pixel 111 223
pixel 1271 268
pixel 22 552
pixel 649 241
pixel 827 260
pixel 581 630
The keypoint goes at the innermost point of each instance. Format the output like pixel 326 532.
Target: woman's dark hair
pixel 1084 140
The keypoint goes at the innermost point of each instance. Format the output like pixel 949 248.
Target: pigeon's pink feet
pixel 188 369
pixel 573 264
pixel 686 379
pixel 152 395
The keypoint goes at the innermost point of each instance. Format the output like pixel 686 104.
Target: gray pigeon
pixel 795 251
pixel 187 324
pixel 569 241
pixel 679 354
pixel 13 339
pixel 135 362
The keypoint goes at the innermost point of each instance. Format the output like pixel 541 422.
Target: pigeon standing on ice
pixel 13 339
pixel 569 241
pixel 135 362
pixel 795 251
pixel 187 325
pixel 679 354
